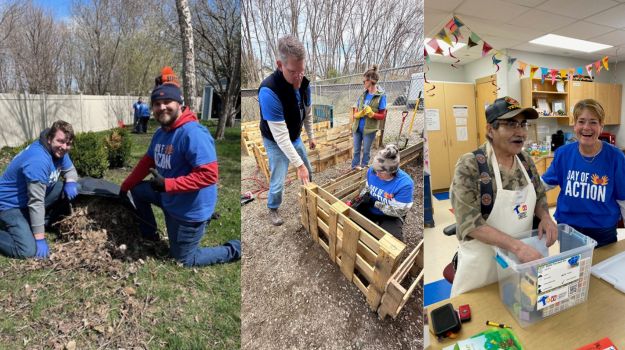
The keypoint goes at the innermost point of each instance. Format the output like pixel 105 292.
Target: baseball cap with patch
pixel 506 108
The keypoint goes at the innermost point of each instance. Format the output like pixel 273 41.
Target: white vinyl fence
pixel 24 116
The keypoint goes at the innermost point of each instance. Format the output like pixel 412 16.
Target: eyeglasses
pixel 514 124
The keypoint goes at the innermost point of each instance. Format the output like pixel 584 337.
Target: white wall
pixel 445 72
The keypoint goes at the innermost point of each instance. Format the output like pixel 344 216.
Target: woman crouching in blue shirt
pixel 387 196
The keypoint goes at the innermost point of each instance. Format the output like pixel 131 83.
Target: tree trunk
pixel 221 126
pixel 188 52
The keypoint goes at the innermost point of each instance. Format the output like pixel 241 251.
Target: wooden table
pixel 602 315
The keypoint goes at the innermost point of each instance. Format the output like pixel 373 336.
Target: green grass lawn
pixel 170 307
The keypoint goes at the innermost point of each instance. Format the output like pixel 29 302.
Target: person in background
pixel 144 118
pixel 370 109
pixel 499 218
pixel 387 196
pixel 285 105
pixel 182 159
pixel 590 174
pixel 30 190
pixel 136 108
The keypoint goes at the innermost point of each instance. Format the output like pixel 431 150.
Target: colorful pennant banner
pixel 453 28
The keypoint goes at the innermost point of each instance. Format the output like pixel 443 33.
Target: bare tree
pixel 341 36
pixel 36 45
pixel 188 52
pixel 218 29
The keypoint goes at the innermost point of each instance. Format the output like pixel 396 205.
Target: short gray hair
pixel 290 45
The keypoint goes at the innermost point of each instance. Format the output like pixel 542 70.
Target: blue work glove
pixel 71 190
pixel 42 249
pixel 157 181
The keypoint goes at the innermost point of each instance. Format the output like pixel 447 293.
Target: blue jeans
pixel 16 236
pixel 184 236
pixel 358 141
pixel 279 168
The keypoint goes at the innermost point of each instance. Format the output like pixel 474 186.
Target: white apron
pixel 513 213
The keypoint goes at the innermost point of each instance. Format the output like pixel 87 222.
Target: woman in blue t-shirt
pixel 387 196
pixel 369 110
pixel 590 175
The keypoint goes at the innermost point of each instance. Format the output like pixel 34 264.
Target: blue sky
pixel 60 8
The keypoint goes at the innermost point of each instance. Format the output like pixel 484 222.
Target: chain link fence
pixel 403 87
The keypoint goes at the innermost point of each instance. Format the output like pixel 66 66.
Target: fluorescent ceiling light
pixel 564 42
pixel 444 46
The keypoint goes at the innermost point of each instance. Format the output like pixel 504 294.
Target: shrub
pixel 119 144
pixel 209 123
pixel 89 155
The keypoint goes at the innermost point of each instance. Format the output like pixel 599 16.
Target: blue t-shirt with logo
pixel 176 153
pixel 589 188
pixel 397 192
pixel 368 98
pixel 34 164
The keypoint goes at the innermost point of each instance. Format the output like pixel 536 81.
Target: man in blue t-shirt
pixel 30 189
pixel 285 105
pixel 137 110
pixel 183 161
pixel 144 117
pixel 387 196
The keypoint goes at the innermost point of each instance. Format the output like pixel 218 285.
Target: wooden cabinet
pixel 579 90
pixel 609 96
pixel 542 164
pixel 449 135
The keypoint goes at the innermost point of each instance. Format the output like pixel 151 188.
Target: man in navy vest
pixel 285 105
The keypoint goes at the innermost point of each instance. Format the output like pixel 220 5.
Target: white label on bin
pixel 557 274
pixel 552 297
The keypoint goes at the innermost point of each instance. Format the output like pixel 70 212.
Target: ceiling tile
pixel 435 20
pixel 583 30
pixel 541 20
pixel 442 5
pixel 614 17
pixel 528 3
pixel 614 38
pixel 485 28
pixel 571 8
pixel 491 9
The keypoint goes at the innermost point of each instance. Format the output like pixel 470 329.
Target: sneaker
pixel 275 218
pixel 359 168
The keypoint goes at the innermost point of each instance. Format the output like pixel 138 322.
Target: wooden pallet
pixel 366 254
pixel 333 147
pixel 250 135
pixel 396 295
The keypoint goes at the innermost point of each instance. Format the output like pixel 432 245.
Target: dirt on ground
pixel 295 297
pixel 99 238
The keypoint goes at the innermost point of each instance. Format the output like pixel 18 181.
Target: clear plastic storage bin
pixel 543 287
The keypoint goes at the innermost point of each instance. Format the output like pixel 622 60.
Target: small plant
pixel 119 144
pixel 89 155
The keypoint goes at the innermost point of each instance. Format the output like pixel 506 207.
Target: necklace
pixel 590 159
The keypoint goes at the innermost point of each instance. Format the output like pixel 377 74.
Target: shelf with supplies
pixel 562 96
pixel 546 97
